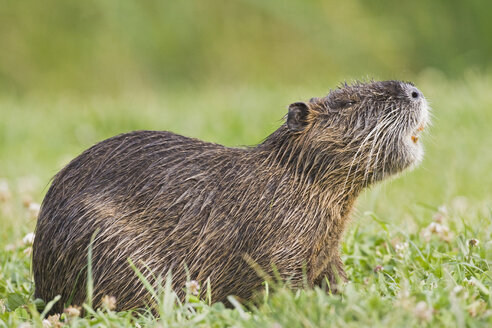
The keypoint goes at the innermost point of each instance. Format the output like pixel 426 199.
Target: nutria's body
pixel 168 202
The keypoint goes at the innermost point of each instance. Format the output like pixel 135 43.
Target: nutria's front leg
pixel 332 275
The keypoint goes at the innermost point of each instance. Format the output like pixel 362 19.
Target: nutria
pixel 205 211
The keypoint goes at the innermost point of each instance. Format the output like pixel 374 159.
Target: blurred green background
pixel 75 72
pixel 106 46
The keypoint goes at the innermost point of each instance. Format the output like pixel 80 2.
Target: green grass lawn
pixel 409 252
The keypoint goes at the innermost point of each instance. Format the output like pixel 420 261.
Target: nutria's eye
pixel 341 104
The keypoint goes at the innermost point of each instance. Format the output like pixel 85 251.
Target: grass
pixel 410 250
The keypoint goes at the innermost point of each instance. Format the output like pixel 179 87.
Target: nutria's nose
pixel 415 93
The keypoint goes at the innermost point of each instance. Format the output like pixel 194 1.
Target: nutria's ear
pixel 297 117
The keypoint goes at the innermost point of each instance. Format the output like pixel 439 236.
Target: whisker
pixel 384 120
pixel 378 139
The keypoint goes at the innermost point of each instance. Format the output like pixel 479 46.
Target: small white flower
pixel 54 321
pixel 423 312
pixel 469 282
pixel 28 239
pixel 10 247
pixel 473 242
pixel 438 229
pixel 443 209
pixel 441 214
pixel 34 210
pixel 72 311
pixel 193 287
pixel 457 289
pixel 109 302
pixel 401 248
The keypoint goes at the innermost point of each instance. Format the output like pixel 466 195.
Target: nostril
pixel 415 94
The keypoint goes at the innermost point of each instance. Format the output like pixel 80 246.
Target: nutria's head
pixel 366 130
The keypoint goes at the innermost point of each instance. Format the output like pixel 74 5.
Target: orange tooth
pixel 421 128
pixel 415 139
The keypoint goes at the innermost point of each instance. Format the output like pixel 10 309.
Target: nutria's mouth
pixel 416 134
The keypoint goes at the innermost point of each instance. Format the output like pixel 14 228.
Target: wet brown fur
pixel 169 202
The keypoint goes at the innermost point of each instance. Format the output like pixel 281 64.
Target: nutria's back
pixel 172 203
